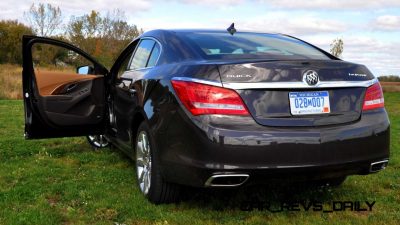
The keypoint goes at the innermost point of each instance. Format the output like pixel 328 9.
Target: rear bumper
pixel 195 148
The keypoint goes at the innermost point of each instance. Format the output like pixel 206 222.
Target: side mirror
pixel 85 70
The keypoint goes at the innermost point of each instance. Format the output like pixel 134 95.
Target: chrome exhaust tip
pixel 378 166
pixel 226 180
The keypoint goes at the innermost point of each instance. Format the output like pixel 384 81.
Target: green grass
pixel 63 181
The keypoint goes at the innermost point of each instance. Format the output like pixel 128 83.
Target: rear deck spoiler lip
pixel 281 85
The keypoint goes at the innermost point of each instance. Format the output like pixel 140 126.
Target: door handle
pixel 71 87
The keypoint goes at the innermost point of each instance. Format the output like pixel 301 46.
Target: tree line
pixel 389 78
pixel 102 36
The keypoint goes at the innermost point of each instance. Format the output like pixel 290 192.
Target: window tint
pixel 154 56
pixel 216 45
pixel 142 54
pixel 124 66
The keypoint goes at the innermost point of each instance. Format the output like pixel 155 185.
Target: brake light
pixel 206 99
pixel 373 97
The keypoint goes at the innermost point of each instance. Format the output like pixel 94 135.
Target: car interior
pixel 66 97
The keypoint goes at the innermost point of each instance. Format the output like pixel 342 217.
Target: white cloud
pixel 387 22
pixel 279 22
pixel 337 4
pixel 103 5
pixel 14 9
pixel 169 23
pixel 214 2
pixel 381 57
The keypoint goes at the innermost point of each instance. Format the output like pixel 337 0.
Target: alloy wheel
pixel 143 162
pixel 98 141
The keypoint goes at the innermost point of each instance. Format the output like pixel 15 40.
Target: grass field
pixel 63 181
pixel 10 81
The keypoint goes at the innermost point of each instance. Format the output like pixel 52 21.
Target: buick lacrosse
pixel 211 108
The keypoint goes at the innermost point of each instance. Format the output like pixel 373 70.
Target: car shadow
pixel 274 192
pixel 256 196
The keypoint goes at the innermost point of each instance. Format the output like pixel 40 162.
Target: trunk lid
pixel 265 87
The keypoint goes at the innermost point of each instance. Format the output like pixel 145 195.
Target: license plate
pixel 304 103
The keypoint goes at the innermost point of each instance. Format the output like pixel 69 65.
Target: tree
pixel 44 19
pixel 11 32
pixel 101 36
pixel 389 78
pixel 337 47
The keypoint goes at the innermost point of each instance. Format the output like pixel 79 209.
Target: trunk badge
pixel 310 77
pixel 238 76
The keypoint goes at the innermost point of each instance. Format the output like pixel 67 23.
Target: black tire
pixel 159 191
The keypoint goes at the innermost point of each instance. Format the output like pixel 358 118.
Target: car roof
pixel 184 30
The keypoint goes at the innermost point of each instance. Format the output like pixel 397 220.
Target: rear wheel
pixel 148 172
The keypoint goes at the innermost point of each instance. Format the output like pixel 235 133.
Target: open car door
pixel 64 90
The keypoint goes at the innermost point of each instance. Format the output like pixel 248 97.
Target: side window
pixel 142 54
pixel 124 66
pixel 59 70
pixel 154 56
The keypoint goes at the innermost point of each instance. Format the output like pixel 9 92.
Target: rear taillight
pixel 206 99
pixel 373 97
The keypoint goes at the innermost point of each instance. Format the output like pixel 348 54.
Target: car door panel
pixel 81 105
pixel 61 103
pixel 121 100
pixel 125 103
pixel 128 89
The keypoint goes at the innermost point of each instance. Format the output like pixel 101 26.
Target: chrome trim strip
pixel 209 180
pixel 384 162
pixel 299 85
pixel 281 85
pixel 209 82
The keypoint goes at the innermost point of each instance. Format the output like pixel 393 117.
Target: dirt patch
pixel 390 86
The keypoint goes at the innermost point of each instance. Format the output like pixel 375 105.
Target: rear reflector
pixel 206 99
pixel 373 97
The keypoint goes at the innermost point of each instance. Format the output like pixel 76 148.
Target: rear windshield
pixel 222 45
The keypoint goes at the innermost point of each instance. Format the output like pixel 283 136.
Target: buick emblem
pixel 311 77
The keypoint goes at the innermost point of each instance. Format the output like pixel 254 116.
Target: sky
pixel 370 29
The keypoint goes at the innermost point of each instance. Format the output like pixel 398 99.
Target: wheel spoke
pixel 139 150
pixel 141 174
pixel 148 179
pixel 101 140
pixel 146 183
pixel 139 162
pixel 145 144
